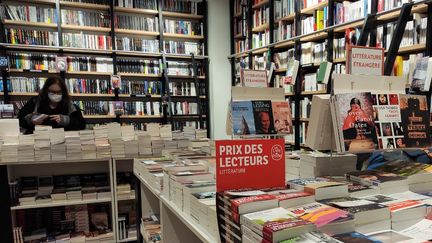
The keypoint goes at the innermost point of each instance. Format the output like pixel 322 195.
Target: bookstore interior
pixel 183 121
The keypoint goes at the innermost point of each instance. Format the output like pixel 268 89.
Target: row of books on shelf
pixel 316 22
pixel 59 188
pixel 133 108
pixel 182 6
pixel 183 27
pixel 90 64
pixel 350 11
pixel 80 223
pixel 284 31
pixel 151 229
pixel 260 16
pixel 143 4
pixel 283 8
pixel 86 41
pixel 132 22
pixel 144 66
pixel 240 27
pixel 260 39
pixel 29 13
pixel 313 52
pixel 85 18
pixel 102 142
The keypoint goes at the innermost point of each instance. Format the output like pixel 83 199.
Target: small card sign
pixel 252 164
pixel 115 82
pixel 4 62
pixel 365 60
pixel 61 64
pixel 254 78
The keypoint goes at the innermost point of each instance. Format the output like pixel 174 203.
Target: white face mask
pixel 55 97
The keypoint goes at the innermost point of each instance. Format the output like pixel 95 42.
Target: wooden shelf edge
pixel 136 10
pixel 261 28
pixel 290 17
pixel 86 28
pixel 84 5
pixel 181 15
pixel 181 36
pixel 311 9
pixel 313 92
pixel 136 32
pixel 260 4
pixel 339 60
pixel 313 36
pixel 89 73
pixel 284 44
pixel 59 204
pixel 26 23
pixel 140 75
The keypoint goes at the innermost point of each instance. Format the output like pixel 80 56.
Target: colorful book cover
pixel 314 236
pixel 403 168
pixel 320 214
pixel 381 199
pixel 387 119
pixel 282 117
pixel 262 218
pixel 373 177
pixel 415 120
pixel 355 237
pixel 242 118
pixel 235 203
pixel 263 116
pixel 356 121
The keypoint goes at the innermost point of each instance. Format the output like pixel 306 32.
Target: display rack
pixel 111 10
pixel 329 33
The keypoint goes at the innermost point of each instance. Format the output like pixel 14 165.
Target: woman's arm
pixel 25 114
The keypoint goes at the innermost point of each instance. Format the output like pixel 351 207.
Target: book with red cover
pixel 282 117
pixel 244 205
pixel 320 214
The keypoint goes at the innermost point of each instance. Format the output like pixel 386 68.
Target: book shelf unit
pixel 116 53
pixel 330 32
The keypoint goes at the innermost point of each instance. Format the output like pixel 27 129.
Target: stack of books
pixel 26 148
pixel 320 164
pixel 130 141
pixel 123 191
pixel 103 148
pixel 144 144
pixel 151 229
pixel 88 145
pixel 116 141
pixel 157 146
pixel 73 145
pixel 203 211
pixel 58 146
pixel 9 148
pixel 165 132
pixel 153 129
pixel 42 143
pixel 292 166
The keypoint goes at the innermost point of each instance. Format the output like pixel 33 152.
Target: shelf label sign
pixel 365 60
pixel 250 164
pixel 254 78
pixel 4 62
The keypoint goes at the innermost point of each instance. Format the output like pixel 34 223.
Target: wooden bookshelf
pixel 92 95
pixel 287 18
pixel 86 50
pixel 339 60
pixel 181 15
pixel 137 53
pixel 316 36
pixel 185 76
pixel 85 28
pixel 136 32
pixel 354 24
pixel 239 36
pixel 412 49
pixel 281 70
pixel 304 119
pixel 140 75
pixel 311 9
pixel 183 56
pixel 181 36
pixel 289 94
pixel 136 11
pixel 313 92
pixel 141 117
pixel 14 70
pixel 259 50
pixel 29 24
pixel 99 116
pixel 237 15
pixel 84 5
pixel 61 204
pixel 30 47
pixel 261 28
pixel 285 44
pixel 89 73
pixel 23 94
pixel 260 4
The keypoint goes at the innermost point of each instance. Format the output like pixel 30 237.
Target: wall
pixel 220 68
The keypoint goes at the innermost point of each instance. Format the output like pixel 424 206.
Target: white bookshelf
pixel 62 203
pixel 177 227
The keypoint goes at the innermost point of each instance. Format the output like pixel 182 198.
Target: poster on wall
pixel 365 60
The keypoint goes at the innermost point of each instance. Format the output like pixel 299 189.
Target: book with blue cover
pixel 355 237
pixel 242 118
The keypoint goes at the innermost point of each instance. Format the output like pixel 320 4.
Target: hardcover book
pixel 314 236
pixel 415 120
pixel 374 177
pixel 263 116
pixel 353 114
pixel 355 237
pixel 242 118
pixel 320 214
pixel 282 117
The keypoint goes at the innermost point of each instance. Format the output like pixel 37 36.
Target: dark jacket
pixel 71 116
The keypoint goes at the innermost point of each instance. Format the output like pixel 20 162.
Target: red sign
pixel 253 164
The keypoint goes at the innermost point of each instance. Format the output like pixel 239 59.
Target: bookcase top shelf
pixel 261 28
pixel 260 4
pixel 181 15
pixel 99 116
pixel 137 53
pixel 311 9
pixel 136 32
pixel 393 14
pixel 85 28
pixel 141 117
pixel 63 203
pixel 136 10
pixel 181 36
pixel 290 17
pixel 30 24
pixel 85 5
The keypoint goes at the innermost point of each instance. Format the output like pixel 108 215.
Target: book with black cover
pixel 374 177
pixel 355 237
pixel 415 120
pixel 263 116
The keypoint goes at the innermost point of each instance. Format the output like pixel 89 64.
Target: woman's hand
pixel 55 118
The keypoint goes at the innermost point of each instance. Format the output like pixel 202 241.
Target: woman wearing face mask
pixel 51 107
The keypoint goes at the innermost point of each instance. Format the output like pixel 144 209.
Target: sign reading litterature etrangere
pixel 254 78
pixel 365 60
pixel 254 164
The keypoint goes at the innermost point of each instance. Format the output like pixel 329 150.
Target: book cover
pixel 388 122
pixel 353 205
pixel 243 118
pixel 381 199
pixel 403 168
pixel 355 237
pixel 314 236
pixel 390 236
pixel 263 117
pixel 282 117
pixel 415 120
pixel 320 214
pixel 258 220
pixel 420 73
pixel 291 73
pixel 236 203
pixel 354 114
pixel 373 177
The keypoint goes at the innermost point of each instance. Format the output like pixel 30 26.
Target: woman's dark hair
pixel 43 93
pixel 355 101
